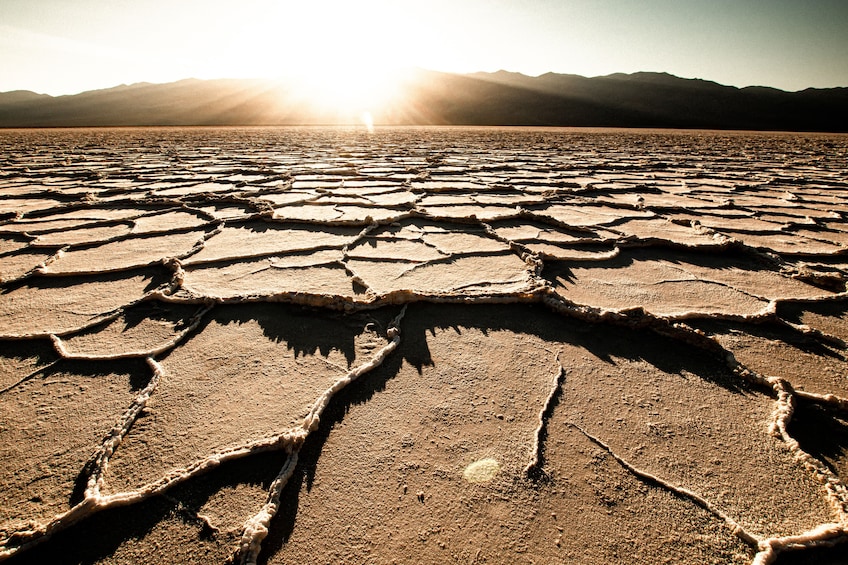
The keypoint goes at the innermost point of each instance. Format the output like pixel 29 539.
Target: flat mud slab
pixel 483 345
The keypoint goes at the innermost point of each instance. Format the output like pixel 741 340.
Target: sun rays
pixel 348 91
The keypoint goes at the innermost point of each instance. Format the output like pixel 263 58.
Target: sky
pixel 69 46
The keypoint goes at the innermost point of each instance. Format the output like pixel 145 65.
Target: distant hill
pixel 428 97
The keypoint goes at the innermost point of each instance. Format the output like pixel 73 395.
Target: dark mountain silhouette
pixel 428 97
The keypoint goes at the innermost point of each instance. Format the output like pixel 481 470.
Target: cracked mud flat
pixel 423 346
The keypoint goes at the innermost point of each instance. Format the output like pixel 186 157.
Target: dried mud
pixel 426 345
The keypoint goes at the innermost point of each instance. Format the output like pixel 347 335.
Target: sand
pixel 425 345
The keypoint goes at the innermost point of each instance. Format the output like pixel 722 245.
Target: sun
pixel 345 59
pixel 350 89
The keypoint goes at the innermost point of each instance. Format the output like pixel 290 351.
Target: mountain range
pixel 433 98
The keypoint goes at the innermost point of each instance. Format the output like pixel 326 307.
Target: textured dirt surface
pixel 431 345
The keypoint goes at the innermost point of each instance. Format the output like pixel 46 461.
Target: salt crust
pixel 93 272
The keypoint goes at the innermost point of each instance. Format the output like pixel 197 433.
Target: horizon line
pixel 293 76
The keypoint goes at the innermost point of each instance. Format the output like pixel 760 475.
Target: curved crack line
pixel 92 242
pixel 471 219
pixel 248 257
pixel 636 242
pixel 201 243
pixel 158 350
pixel 681 492
pixel 548 220
pixel 97 320
pixel 771 302
pixel 186 206
pixel 489 284
pixel 421 238
pixel 32 273
pixel 329 363
pixel 99 463
pixel 28 377
pixel 767 313
pixel 813 332
pixel 448 259
pixel 256 528
pixel 354 276
pixel 525 253
pixel 272 266
pixel 39 269
pixel 830 400
pixel 360 237
pixel 161 259
pixel 97 222
pixel 353 222
pixel 745 292
pixel 308 196
pixel 533 469
pixel 575 245
pixel 279 267
pixel 837 493
pixel 262 210
pixel 132 222
pixel 131 234
pixel 356 279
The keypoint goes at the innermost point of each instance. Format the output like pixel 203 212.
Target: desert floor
pixel 427 345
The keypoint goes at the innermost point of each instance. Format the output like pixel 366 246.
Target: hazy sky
pixel 64 46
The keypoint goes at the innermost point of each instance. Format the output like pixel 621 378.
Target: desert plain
pixel 423 345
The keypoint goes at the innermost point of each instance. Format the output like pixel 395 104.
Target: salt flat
pixel 423 345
